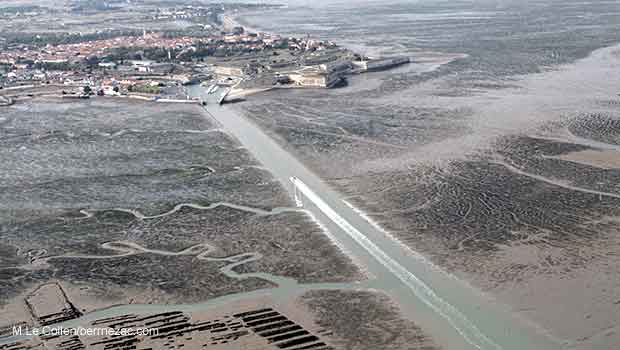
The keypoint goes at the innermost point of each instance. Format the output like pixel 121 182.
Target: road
pixel 455 314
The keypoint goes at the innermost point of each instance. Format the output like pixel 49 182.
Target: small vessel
pixel 212 89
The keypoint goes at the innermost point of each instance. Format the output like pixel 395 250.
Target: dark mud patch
pixel 79 175
pixel 603 127
pixel 365 320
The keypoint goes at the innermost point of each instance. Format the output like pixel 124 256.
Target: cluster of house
pixel 78 52
pixel 136 68
pixel 303 62
pixel 184 12
pixel 67 53
pixel 308 44
pixel 20 11
pixel 137 77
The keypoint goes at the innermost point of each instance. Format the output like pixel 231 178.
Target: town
pixel 154 65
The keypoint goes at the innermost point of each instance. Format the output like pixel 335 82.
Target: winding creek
pixel 285 287
pixel 260 212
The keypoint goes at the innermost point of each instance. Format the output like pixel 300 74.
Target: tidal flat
pixel 121 202
pixel 499 166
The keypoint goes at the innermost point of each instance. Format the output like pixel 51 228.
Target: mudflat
pixel 514 189
pixel 120 203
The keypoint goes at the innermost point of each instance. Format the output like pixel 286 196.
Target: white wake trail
pixel 466 328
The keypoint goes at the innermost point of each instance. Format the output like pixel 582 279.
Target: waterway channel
pixel 456 314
